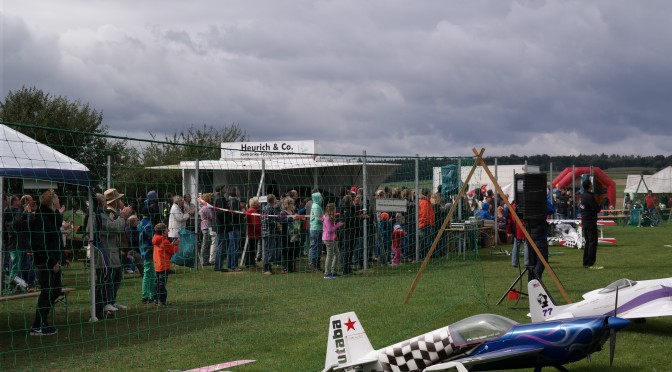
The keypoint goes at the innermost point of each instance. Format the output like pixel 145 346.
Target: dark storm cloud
pixel 434 77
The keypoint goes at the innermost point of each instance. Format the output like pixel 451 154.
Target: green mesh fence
pixel 249 279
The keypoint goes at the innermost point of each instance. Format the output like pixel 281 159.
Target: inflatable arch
pixel 603 185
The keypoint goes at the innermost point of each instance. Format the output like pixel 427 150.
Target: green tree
pixel 202 143
pixel 80 134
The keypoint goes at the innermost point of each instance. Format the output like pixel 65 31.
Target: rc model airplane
pixel 628 298
pixel 479 343
pixel 568 233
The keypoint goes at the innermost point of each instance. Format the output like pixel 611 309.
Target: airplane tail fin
pixel 542 305
pixel 347 343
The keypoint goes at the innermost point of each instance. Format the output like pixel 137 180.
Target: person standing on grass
pixel 425 223
pixel 221 204
pixel 329 226
pixel 164 249
pixel 397 239
pixel 269 230
pixel 179 215
pixel 113 237
pixel 209 242
pixel 253 219
pixel 236 223
pixel 315 230
pixel 385 231
pixel 146 233
pixel 289 235
pixel 589 210
pixel 47 246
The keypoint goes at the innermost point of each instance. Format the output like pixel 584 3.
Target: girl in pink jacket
pixel 329 226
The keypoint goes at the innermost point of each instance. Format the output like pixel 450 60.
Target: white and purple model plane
pixel 628 299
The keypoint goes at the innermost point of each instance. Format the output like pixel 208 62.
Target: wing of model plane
pixel 495 356
pixel 650 310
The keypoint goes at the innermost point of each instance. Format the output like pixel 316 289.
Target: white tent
pixel 308 171
pixel 25 158
pixel 658 183
pixel 505 176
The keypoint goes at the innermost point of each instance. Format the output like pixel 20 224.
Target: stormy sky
pixel 392 77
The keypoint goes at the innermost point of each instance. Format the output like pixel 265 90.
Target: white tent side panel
pixel 504 174
pixel 658 183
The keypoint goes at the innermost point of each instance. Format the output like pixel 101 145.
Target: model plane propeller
pixel 478 343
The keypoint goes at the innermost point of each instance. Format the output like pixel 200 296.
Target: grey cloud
pixel 527 76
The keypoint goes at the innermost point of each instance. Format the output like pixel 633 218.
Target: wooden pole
pixel 520 224
pixel 446 222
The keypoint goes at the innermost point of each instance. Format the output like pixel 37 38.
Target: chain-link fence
pixel 135 254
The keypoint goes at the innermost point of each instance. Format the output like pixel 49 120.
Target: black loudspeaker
pixel 530 191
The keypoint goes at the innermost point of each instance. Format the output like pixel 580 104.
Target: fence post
pixel 196 224
pixel 573 192
pixel 109 171
pixel 91 233
pixel 496 211
pixel 459 187
pixel 417 208
pixel 365 196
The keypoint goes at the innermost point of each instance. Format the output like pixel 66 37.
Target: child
pixel 397 240
pixel 146 232
pixel 385 230
pixel 329 227
pixel 163 250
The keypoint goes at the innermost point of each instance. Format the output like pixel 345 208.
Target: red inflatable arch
pixel 603 184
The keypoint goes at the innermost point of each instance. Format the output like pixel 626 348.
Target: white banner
pixel 391 205
pixel 268 149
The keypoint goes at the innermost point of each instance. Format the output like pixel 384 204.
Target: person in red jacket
pixel 253 219
pixel 164 249
pixel 425 223
pixel 397 241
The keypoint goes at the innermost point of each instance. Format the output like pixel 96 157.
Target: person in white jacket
pixel 178 218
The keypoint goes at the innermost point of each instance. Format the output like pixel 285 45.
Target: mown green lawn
pixel 281 320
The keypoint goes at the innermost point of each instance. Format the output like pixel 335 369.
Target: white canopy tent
pixel 25 158
pixel 305 172
pixel 658 183
pixel 505 176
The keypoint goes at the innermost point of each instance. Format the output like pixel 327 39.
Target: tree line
pixel 76 129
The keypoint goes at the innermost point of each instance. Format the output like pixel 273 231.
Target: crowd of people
pixel 272 233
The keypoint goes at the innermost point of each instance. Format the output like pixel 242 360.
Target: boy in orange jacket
pixel 163 251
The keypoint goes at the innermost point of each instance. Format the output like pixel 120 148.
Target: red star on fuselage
pixel 350 324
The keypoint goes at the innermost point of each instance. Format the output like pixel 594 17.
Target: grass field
pixel 281 320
